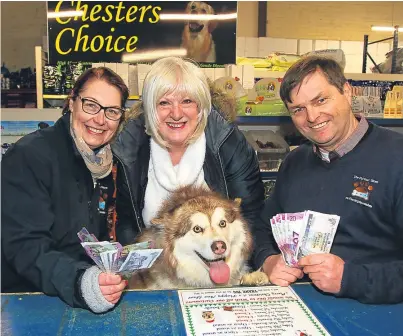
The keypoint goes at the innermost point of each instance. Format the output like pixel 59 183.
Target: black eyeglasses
pixel 91 107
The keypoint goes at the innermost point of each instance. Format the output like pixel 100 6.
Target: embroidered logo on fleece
pixel 362 189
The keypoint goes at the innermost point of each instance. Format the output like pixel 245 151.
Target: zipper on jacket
pixel 94 188
pixel 219 158
pixel 90 211
pixel 130 193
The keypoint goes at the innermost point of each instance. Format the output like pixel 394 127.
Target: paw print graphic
pixel 363 186
pixel 362 189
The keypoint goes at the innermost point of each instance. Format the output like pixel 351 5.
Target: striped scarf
pixel 99 164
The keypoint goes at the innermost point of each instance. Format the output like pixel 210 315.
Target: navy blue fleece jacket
pixel 365 188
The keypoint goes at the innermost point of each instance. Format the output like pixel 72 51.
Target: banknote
pixel 85 236
pixel 97 251
pixel 138 246
pixel 303 233
pixel 139 259
pixel 112 257
pixel 317 233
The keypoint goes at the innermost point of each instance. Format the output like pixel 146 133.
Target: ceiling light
pixel 385 29
pixel 53 15
pixel 152 55
pixel 198 17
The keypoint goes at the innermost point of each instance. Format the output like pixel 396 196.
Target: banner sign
pixel 107 31
pixel 22 127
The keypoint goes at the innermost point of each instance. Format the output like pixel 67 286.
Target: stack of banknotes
pixel 112 257
pixel 302 233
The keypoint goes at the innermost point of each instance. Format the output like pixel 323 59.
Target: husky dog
pixel 205 243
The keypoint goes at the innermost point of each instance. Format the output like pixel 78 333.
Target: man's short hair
pixel 174 74
pixel 307 66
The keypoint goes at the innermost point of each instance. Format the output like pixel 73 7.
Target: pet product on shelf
pixel 335 54
pixel 270 147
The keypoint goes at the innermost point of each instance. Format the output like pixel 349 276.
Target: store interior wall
pixel 332 20
pixel 23 23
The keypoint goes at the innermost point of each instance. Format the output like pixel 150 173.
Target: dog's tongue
pixel 219 272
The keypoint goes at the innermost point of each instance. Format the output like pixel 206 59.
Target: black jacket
pixel 230 168
pixel 47 196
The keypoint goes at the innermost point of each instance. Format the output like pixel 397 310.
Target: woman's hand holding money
pixel 279 273
pixel 325 270
pixel 111 286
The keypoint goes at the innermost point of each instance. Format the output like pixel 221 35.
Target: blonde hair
pixel 179 76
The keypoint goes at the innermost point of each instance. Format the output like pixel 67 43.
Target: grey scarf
pixel 99 164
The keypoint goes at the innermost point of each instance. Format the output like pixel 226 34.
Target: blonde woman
pixel 177 137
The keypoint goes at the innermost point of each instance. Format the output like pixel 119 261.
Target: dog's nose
pixel 218 247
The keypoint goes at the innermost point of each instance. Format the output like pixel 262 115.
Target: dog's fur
pixel 189 225
pixel 196 35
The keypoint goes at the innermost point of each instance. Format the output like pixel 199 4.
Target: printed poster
pixel 21 128
pixel 104 31
pixel 267 310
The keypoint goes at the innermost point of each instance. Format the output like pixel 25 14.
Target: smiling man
pixel 351 168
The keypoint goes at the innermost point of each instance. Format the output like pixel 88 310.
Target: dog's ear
pixel 158 222
pixel 188 7
pixel 238 201
pixel 212 25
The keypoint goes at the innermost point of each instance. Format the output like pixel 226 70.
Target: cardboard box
pixel 209 72
pixel 111 66
pixel 248 76
pixel 133 82
pixel 219 72
pixel 235 71
pixel 122 69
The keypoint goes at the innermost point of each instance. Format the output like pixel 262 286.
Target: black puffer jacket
pixel 47 196
pixel 230 168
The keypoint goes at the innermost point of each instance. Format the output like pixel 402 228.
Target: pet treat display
pixel 386 65
pixel 368 96
pixel 268 88
pixel 115 258
pixel 51 79
pixel 60 78
pixel 303 233
pixel 335 54
pixel 270 147
pixel 267 144
pixel 393 103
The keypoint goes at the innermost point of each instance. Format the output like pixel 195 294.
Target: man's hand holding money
pixel 325 270
pixel 305 239
pixel 279 273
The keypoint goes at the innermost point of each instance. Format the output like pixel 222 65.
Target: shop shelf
pixel 275 120
pixel 268 175
pixel 54 96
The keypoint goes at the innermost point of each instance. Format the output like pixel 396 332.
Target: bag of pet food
pixel 283 60
pixel 256 62
pixel 335 54
pixel 268 88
